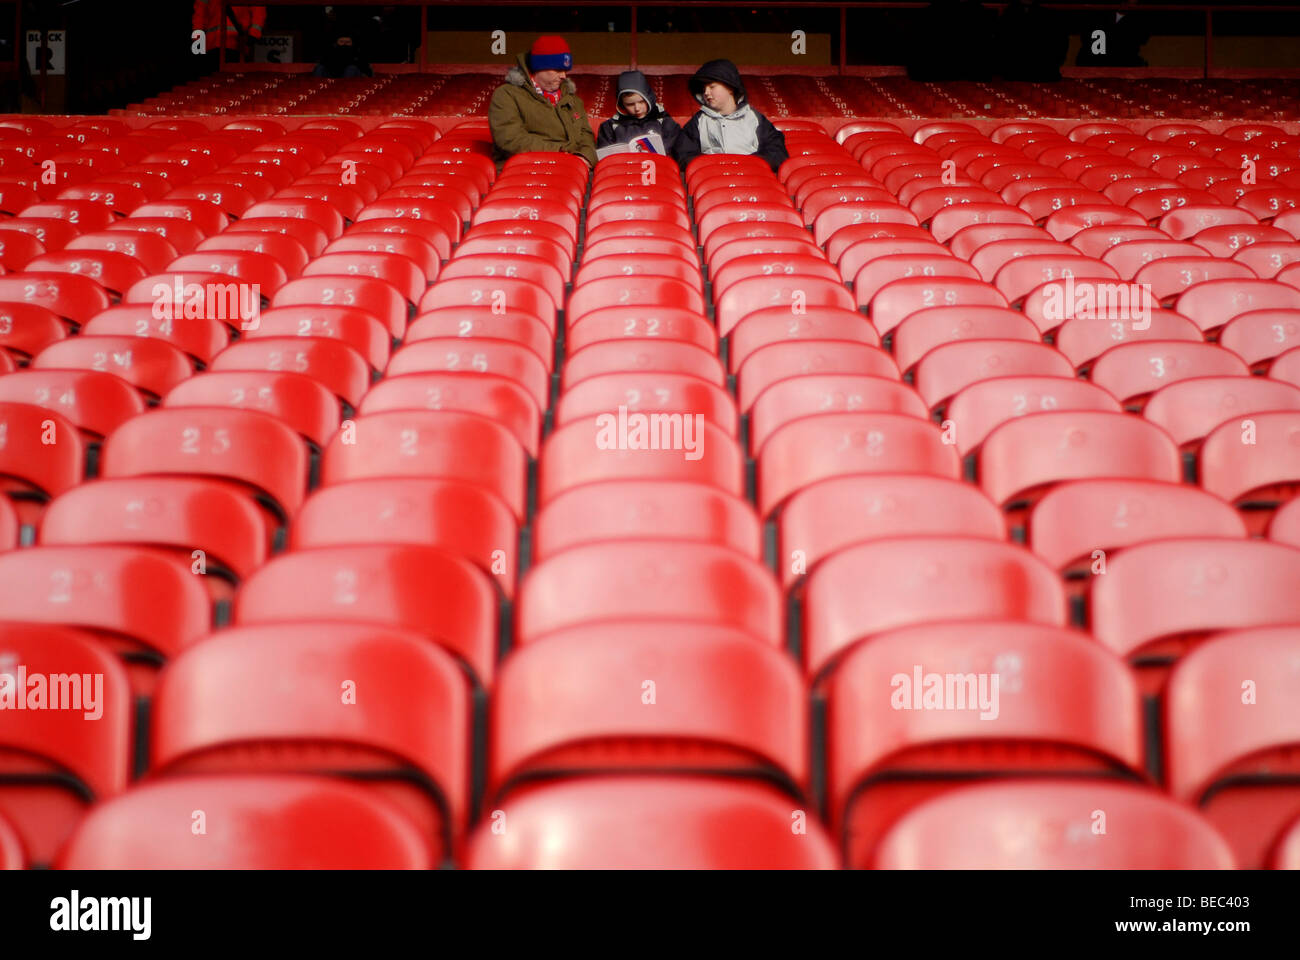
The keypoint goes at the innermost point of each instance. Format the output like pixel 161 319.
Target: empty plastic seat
pixel 775 362
pixel 771 325
pixel 1158 599
pixel 251 822
pixel 1253 459
pixel 615 323
pixel 73 297
pixel 56 762
pixel 670 446
pixel 915 713
pixel 96 402
pixel 979 408
pixel 1026 454
pixel 195 519
pixel 1171 276
pixel 646 392
pixel 1286 852
pixel 1073 521
pixel 951 367
pixel 1213 303
pixel 899 299
pixel 1130 371
pixel 645 510
pixel 1190 409
pixel 150 365
pixel 362 697
pixel 793 397
pixel 645 580
pixel 378 297
pixel 837 444
pixel 475 355
pixel 838 512
pixel 559 708
pixel 249 447
pixel 1085 338
pixel 648 354
pixel 645 822
pixel 1018 826
pixel 427 443
pixel 1231 733
pixel 504 295
pixel 138 602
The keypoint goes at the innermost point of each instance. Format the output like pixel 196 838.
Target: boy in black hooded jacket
pixel 638 114
pixel 725 122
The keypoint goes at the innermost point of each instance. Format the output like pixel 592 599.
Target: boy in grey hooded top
pixel 638 114
pixel 725 122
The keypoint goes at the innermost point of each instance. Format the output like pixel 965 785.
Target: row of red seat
pixel 779 95
pixel 425 483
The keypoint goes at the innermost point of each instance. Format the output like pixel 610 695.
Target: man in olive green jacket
pixel 538 107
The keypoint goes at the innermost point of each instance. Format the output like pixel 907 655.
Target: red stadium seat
pixel 333 363
pixel 378 297
pixel 648 354
pixel 793 397
pixel 791 358
pixel 646 391
pixel 1192 408
pixel 1212 303
pixel 56 763
pixel 824 517
pixel 411 734
pixel 616 323
pixel 951 367
pixel 838 444
pixel 1158 599
pixel 1231 733
pixel 1171 276
pixel 430 444
pixel 459 517
pixel 772 325
pixel 1074 520
pixel 650 822
pixel 1024 455
pixel 1075 714
pixel 796 292
pixel 178 514
pixel 262 822
pixel 591 450
pixel 982 406
pixel 936 326
pixel 500 397
pixel 1017 826
pixel 1253 457
pixel 298 400
pixel 43 452
pixel 900 299
pixel 737 706
pixel 138 602
pixel 1131 371
pixel 645 510
pixel 1086 337
pixel 503 295
pixel 356 327
pixel 421 588
pixel 647 581
pixel 97 403
pixel 150 365
pixel 244 446
pixel 75 298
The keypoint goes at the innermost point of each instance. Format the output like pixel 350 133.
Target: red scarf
pixel 551 98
